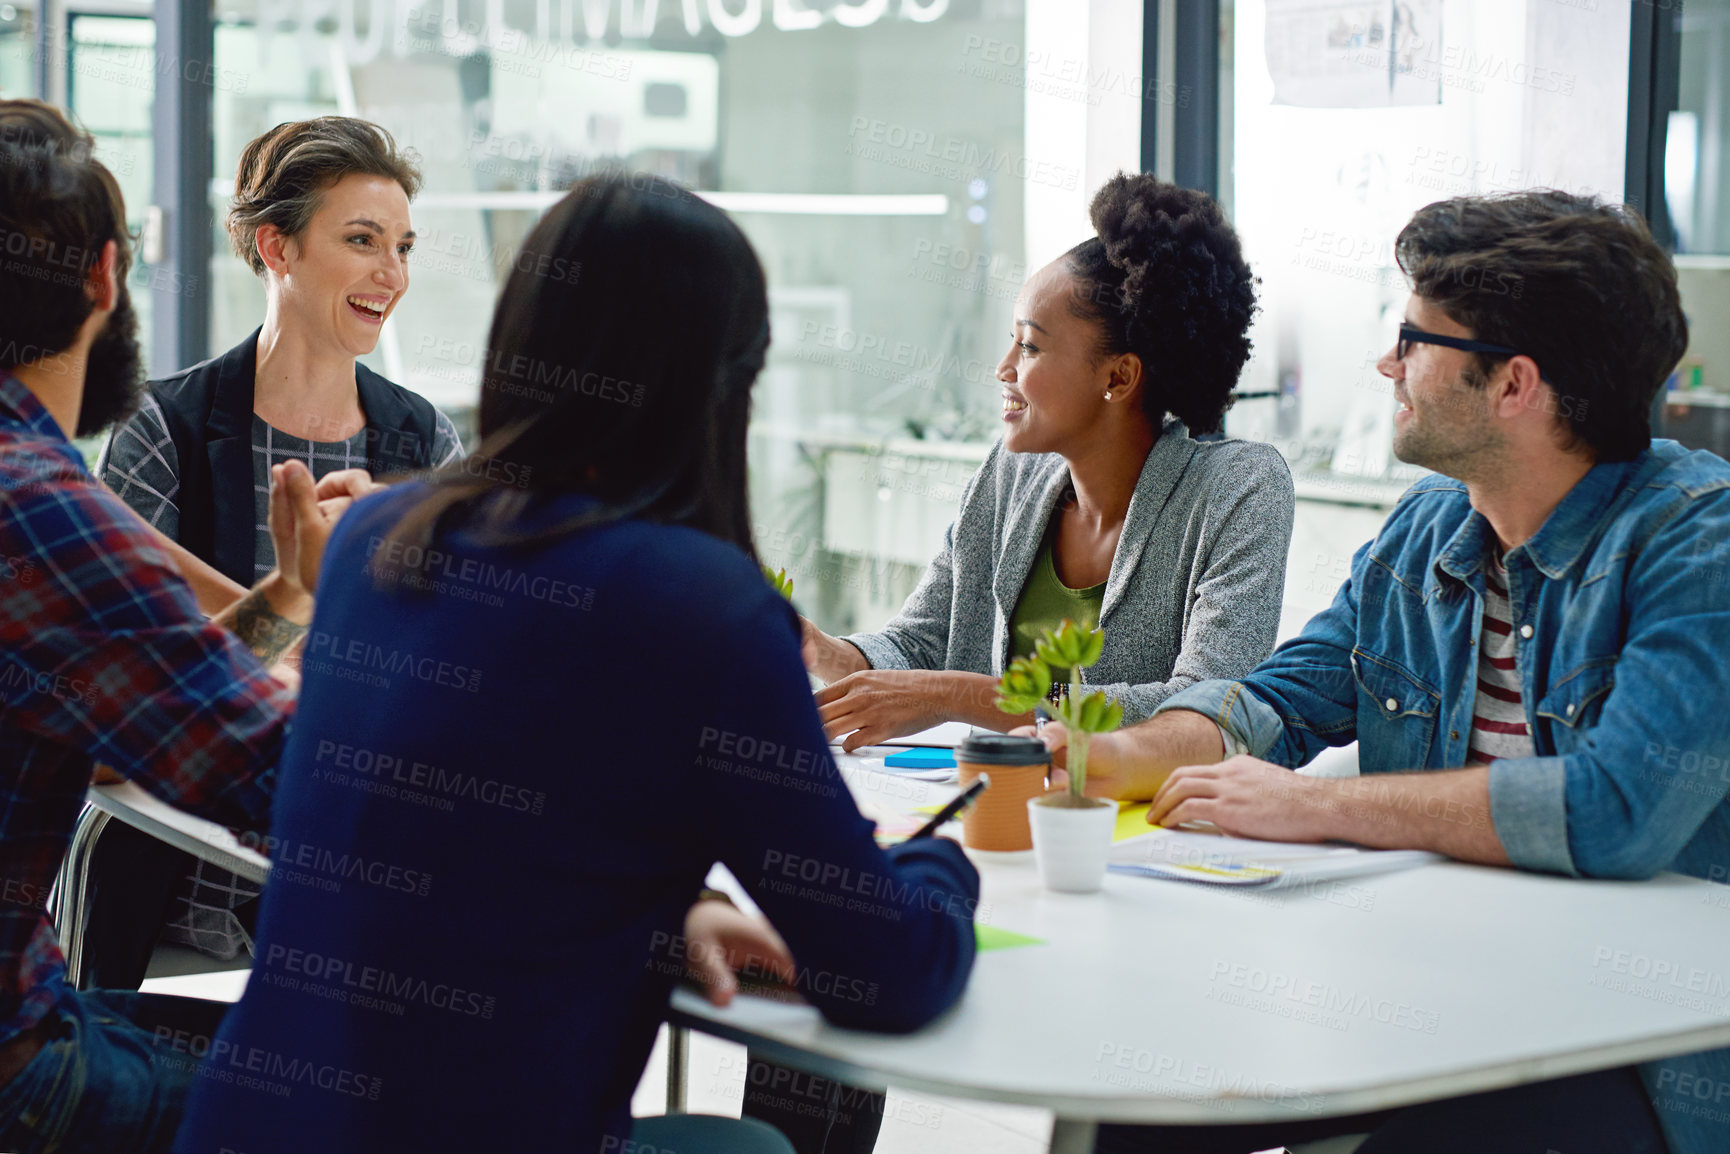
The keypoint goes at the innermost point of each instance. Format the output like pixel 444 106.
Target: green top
pixel 1045 601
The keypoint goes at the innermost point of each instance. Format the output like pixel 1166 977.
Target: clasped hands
pixel 303 513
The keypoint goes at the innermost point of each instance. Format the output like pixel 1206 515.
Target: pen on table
pixel 953 810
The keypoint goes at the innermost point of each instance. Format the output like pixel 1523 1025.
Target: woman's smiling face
pixel 346 271
pixel 1053 381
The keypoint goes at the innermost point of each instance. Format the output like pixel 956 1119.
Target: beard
pixel 1450 432
pixel 114 372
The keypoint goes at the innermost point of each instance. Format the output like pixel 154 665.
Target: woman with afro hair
pixel 1098 504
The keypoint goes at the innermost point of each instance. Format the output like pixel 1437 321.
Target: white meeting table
pixel 1166 1002
pixel 203 839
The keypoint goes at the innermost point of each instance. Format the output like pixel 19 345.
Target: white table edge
pixel 688 1009
pixel 198 837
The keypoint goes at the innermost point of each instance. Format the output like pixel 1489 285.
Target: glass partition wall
pixel 17 50
pixel 1348 117
pixel 1697 194
pixel 110 81
pixel 1345 118
pixel 106 61
pixel 900 166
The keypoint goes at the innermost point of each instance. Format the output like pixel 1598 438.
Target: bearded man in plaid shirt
pixel 104 655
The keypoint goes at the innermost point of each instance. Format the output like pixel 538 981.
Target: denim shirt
pixel 1621 603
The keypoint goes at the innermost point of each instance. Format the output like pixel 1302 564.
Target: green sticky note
pixel 993 938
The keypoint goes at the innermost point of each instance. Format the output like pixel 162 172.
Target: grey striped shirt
pixel 140 464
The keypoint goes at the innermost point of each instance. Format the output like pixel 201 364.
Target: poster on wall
pixel 1355 53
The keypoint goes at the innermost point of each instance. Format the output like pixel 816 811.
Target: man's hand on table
pixel 1245 797
pixel 1176 759
pixel 721 940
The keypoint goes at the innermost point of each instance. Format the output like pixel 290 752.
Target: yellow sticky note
pixel 1131 821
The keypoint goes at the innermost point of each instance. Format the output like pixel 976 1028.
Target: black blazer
pixel 208 409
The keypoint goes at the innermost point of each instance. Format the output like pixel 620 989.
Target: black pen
pixel 953 810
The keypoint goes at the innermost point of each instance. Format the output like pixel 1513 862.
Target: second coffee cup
pixel 1018 767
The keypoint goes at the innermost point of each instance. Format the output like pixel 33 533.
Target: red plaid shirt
pixel 104 657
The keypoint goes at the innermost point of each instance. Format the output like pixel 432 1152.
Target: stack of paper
pixel 946 735
pixel 927 755
pixel 1215 859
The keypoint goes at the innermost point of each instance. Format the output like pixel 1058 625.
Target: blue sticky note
pixel 921 758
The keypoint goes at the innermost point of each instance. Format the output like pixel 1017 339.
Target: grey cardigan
pixel 1195 586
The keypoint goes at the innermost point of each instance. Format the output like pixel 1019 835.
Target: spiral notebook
pixel 1212 858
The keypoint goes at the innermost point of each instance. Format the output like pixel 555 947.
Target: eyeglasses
pixel 1412 335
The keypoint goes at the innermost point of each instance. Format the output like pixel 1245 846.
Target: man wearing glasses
pixel 1532 654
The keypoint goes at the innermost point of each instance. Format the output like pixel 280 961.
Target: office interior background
pixel 902 166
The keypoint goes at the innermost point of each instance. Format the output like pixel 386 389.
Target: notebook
pixel 1212 858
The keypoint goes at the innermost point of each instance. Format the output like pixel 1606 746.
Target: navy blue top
pixel 497 801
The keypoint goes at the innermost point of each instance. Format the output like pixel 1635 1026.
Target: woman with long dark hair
pixel 542 694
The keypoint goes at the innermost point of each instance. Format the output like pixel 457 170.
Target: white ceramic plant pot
pixel 1071 844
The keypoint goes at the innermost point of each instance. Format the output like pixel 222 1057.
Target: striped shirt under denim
pixel 1499 725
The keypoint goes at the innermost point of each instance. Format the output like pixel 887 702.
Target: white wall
pixel 1534 93
pixel 1083 111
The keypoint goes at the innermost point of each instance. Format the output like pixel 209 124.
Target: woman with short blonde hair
pixel 321 215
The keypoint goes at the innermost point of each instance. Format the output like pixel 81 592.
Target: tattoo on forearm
pixel 268 634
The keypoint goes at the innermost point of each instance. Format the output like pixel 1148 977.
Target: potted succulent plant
pixel 1071 831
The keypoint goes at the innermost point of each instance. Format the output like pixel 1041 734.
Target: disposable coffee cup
pixel 1018 766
